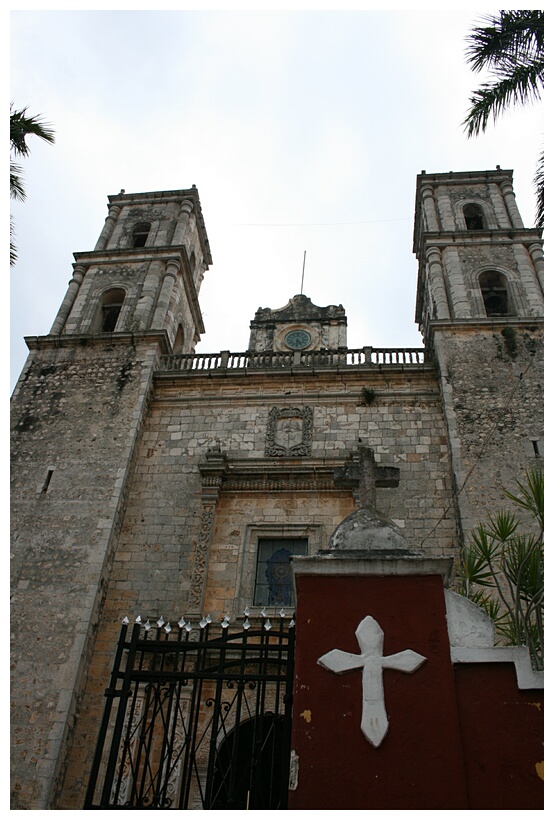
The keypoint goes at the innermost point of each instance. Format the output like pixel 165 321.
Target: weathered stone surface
pixel 138 490
pixel 366 530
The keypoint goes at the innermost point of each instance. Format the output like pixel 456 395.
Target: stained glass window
pixel 274 584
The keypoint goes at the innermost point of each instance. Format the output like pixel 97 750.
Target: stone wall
pixel 154 563
pixel 76 416
pixel 492 383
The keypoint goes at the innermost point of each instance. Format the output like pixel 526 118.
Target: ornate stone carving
pixel 289 432
pixel 212 470
pixel 199 571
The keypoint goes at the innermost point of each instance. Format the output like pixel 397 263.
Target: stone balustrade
pixel 320 359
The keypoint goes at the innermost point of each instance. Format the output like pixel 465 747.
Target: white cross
pixel 372 661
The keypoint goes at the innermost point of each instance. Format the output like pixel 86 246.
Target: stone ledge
pixel 160 337
pixel 527 677
pixel 333 564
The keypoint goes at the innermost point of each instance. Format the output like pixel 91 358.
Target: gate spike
pixel 125 620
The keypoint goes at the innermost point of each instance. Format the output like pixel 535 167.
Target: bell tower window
pixel 140 234
pixel 179 344
pixel 474 217
pixel 495 293
pixel 111 304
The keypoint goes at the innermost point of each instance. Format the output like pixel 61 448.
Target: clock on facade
pixel 297 339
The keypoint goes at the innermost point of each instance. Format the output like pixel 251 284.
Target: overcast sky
pixel 303 131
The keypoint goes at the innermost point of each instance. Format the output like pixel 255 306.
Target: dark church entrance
pixel 252 766
pixel 197 718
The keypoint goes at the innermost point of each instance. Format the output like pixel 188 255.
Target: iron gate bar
pixel 161 741
pixel 124 694
pixel 109 693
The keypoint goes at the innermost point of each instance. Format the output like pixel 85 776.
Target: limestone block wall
pixel 492 384
pixel 154 562
pixel 76 415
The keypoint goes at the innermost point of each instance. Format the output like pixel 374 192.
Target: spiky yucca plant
pixel 501 556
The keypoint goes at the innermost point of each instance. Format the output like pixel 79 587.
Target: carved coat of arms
pixel 289 432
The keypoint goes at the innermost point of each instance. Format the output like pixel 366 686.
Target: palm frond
pixel 522 85
pixel 512 37
pixel 22 126
pixel 538 181
pixel 17 190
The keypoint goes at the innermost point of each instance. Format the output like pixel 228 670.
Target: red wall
pixel 420 763
pixel 502 734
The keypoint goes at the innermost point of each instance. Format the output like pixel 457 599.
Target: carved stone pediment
pixel 289 432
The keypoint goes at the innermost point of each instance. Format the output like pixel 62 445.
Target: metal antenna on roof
pixel 303 266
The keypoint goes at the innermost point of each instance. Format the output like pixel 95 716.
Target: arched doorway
pixel 251 767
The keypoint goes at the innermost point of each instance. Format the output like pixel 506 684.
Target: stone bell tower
pixel 480 310
pixel 77 413
pixel 144 273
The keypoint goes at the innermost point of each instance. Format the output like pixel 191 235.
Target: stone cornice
pixel 386 396
pixel 337 564
pixel 264 475
pixel 133 255
pixel 158 337
pixel 500 236
pixel 457 177
pixel 489 323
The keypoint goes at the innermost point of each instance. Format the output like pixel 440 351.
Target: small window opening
pixel 536 450
pixel 140 234
pixel 112 302
pixel 47 480
pixel 274 582
pixel 474 217
pixel 495 293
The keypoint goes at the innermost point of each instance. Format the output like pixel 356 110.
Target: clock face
pixel 298 339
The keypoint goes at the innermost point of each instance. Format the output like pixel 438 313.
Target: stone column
pixel 182 222
pixel 171 270
pixel 111 219
pixel 436 283
pixel 537 255
pixel 72 291
pixel 510 200
pixel 429 208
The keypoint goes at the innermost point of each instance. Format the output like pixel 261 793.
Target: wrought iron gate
pixel 202 719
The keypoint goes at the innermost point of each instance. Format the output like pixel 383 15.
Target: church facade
pixel 152 482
